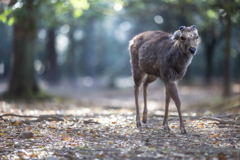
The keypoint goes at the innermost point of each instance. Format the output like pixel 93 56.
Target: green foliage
pixel 53 12
pixel 5 14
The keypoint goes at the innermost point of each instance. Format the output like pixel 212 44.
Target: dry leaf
pixel 114 122
pixel 215 135
pixel 35 132
pixel 215 142
pixel 110 142
pixel 64 139
pixel 225 136
pixel 16 123
pixel 74 144
pixel 2 134
pixel 34 155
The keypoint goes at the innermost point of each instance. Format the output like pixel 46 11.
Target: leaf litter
pixel 57 132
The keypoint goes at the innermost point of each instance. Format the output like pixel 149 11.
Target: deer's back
pixel 150 48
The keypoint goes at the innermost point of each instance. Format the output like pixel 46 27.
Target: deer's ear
pixel 176 35
pixel 181 28
pixel 194 26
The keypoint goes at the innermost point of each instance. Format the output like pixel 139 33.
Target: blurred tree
pixel 24 14
pixel 52 72
pixel 209 31
pixel 23 81
pixel 231 10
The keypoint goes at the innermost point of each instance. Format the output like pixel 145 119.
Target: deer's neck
pixel 180 59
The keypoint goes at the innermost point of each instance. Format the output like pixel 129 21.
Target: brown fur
pixel 160 54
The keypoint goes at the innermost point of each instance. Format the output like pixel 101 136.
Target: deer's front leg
pixel 165 121
pixel 171 88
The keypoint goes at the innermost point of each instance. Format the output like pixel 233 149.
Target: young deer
pixel 160 54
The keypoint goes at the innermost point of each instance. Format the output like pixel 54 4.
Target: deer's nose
pixel 192 50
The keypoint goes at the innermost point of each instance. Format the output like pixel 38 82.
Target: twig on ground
pixel 39 118
pixel 228 116
pixel 221 121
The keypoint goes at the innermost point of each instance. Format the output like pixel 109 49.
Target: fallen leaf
pixel 122 146
pixel 64 139
pixel 225 136
pixel 187 120
pixel 74 144
pixel 114 122
pixel 34 155
pixel 215 135
pixel 110 142
pixel 35 132
pixel 215 142
pixel 221 156
pixel 16 123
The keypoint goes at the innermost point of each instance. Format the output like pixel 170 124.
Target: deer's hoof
pixel 184 131
pixel 166 128
pixel 139 126
pixel 144 120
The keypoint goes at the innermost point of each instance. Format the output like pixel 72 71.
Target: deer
pixel 157 54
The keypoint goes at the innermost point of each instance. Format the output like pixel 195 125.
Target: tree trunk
pixel 71 57
pixel 209 58
pixel 23 82
pixel 52 71
pixel 227 91
pixel 89 51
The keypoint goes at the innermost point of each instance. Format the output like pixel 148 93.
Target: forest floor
pixel 100 124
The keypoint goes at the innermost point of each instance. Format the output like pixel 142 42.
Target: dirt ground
pixel 100 124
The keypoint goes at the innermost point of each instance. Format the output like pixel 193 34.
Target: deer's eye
pixel 197 37
pixel 182 38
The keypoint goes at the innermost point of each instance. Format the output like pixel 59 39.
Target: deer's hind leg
pixel 138 76
pixel 149 79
